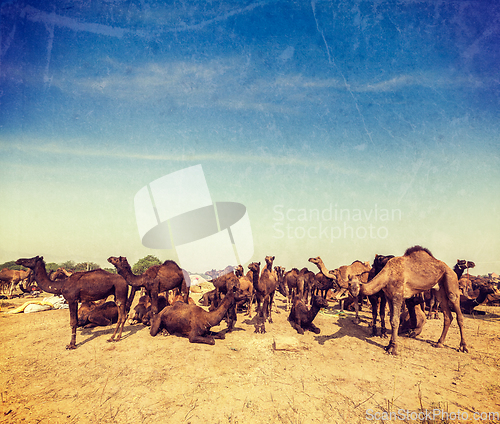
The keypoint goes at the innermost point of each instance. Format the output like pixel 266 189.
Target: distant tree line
pixel 140 266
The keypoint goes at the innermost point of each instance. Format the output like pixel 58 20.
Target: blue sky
pixel 290 108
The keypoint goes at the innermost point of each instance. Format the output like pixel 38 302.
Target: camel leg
pixel 122 317
pixel 356 309
pixel 314 329
pixel 250 302
pixel 374 302
pixel 195 338
pixel 383 302
pixel 410 305
pixel 154 299
pixel 454 299
pixel 271 298
pixel 395 312
pixel 259 327
pixel 297 327
pixel 73 322
pixel 98 320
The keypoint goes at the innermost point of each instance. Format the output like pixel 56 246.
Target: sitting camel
pixel 223 284
pixel 468 304
pixel 404 276
pixel 301 318
pixel 156 279
pixel 93 314
pixel 192 321
pixel 81 287
pixel 405 323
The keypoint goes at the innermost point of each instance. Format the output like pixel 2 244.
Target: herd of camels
pixel 395 280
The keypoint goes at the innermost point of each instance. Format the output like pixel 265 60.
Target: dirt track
pixel 340 375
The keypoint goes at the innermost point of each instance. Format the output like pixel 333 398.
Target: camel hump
pixel 417 248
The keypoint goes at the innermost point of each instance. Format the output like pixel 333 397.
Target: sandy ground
pixel 339 376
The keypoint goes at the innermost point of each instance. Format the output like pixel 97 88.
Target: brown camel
pixel 81 287
pixel 301 318
pixel 245 292
pixel 192 321
pixel 264 288
pixel 343 274
pixel 406 326
pixel 10 278
pixel 156 279
pixel 404 276
pixel 223 284
pixel 93 314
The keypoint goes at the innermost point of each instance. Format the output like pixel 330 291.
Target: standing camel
pixel 10 278
pixel 343 274
pixel 404 276
pixel 264 288
pixel 155 279
pixel 378 300
pixel 81 287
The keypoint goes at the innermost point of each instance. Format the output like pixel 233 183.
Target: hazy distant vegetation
pixel 138 268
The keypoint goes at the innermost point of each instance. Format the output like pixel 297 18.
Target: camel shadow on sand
pixel 348 328
pixel 95 332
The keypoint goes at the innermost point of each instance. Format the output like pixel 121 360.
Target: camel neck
pixel 44 282
pixel 215 317
pixel 255 278
pixel 130 277
pixel 325 271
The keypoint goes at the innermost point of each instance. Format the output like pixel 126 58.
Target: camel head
pixel 29 262
pixel 239 271
pixel 119 263
pixel 315 261
pixel 320 302
pixel 354 285
pixel 269 262
pixel 254 267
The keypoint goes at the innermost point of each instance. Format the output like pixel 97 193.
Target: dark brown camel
pixel 81 287
pixel 93 314
pixel 292 286
pixel 378 300
pixel 464 284
pixel 264 288
pixel 156 279
pixel 192 321
pixel 306 280
pixel 321 285
pixel 467 305
pixel 302 318
pixel 404 276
